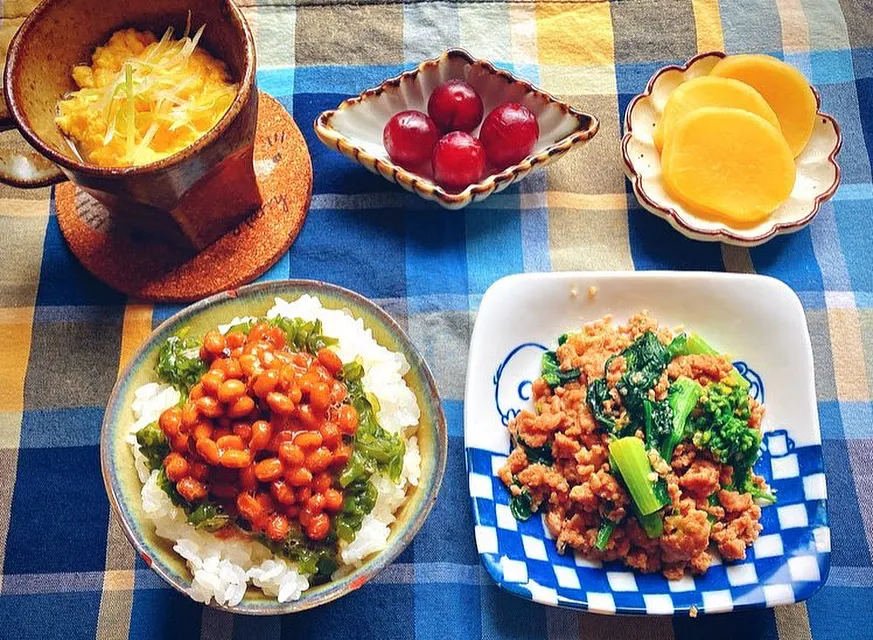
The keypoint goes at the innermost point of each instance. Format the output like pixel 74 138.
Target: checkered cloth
pixel 68 572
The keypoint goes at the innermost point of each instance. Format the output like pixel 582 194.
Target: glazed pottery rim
pixel 376 562
pixel 324 128
pixel 725 232
pixel 243 94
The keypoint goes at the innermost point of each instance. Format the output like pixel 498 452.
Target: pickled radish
pixel 728 164
pixel 708 91
pixel 784 88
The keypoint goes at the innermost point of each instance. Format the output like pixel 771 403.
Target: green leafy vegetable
pixel 352 371
pixel 713 501
pixel 562 339
pixel 723 427
pixel 696 345
pixel 607 527
pixel 678 347
pixel 303 335
pixel 748 485
pixel 179 363
pixel 208 516
pixel 658 422
pixel 243 327
pixel 598 393
pixel 666 422
pixel 682 397
pixel 552 373
pixel 520 505
pixel 316 559
pixel 359 500
pixel 659 488
pixel 539 455
pixel 167 486
pixel 204 515
pixel 374 447
pixel 629 458
pixel 652 524
pixel 153 444
pixel 645 360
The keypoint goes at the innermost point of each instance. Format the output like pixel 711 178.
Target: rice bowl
pixel 222 568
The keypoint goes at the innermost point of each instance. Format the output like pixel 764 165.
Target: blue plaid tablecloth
pixel 67 570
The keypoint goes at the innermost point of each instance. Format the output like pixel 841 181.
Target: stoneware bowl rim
pixel 246 86
pixel 324 129
pixel 725 233
pixel 376 563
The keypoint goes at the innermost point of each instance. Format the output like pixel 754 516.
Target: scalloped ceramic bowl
pixel 354 128
pixel 123 485
pixel 818 173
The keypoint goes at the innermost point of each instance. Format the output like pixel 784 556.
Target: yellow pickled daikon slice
pixel 784 88
pixel 728 164
pixel 708 91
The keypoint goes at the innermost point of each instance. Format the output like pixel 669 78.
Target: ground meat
pixel 740 527
pixel 539 476
pixel 700 563
pixel 638 538
pixel 583 496
pixel 536 429
pixel 701 479
pixel 589 349
pixel 704 369
pixel 659 391
pixel 673 490
pixel 643 561
pixel 756 410
pixel 726 475
pixel 683 456
pixel 606 487
pixel 616 369
pixel 642 323
pixel 659 465
pixel 685 536
pixel 735 502
pixel 564 447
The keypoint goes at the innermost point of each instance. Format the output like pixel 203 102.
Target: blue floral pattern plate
pixel 756 319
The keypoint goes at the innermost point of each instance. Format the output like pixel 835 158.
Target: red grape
pixel 409 138
pixel 458 161
pixel 455 106
pixel 509 134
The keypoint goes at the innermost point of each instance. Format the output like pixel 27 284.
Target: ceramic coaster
pixel 152 270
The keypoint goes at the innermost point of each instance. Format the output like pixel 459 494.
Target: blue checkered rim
pixel 788 563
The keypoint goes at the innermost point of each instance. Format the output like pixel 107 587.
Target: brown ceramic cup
pixel 190 198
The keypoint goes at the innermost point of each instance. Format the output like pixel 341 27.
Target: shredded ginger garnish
pixel 157 92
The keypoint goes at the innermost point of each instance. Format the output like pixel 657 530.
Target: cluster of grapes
pixel 442 139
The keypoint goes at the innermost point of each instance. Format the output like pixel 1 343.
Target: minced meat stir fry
pixel 640 449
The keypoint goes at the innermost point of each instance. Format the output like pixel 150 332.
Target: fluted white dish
pixel 818 174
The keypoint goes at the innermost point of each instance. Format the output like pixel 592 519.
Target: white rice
pixel 222 569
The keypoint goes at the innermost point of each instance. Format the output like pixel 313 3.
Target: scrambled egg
pixel 142 100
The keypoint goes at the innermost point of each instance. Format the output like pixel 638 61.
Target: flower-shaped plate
pixel 818 173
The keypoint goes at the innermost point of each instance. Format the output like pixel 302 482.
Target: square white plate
pixel 760 323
